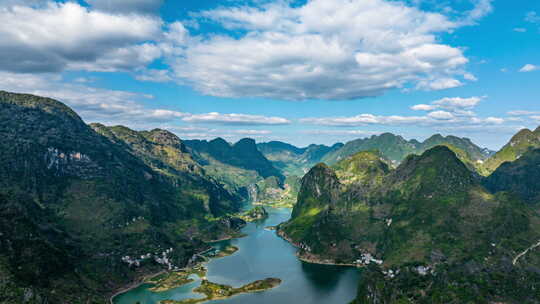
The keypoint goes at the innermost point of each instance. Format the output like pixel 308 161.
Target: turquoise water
pixel 262 254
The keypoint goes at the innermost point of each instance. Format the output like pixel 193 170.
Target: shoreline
pixel 313 259
pixel 226 238
pixel 135 284
pixel 143 280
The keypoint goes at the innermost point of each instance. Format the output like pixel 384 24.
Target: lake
pixel 262 255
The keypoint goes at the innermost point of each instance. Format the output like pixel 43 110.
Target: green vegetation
pixel 243 170
pixel 255 214
pixel 520 177
pixel 294 161
pixel 396 148
pixel 79 209
pixel 437 233
pixel 520 143
pixel 169 280
pixel 214 291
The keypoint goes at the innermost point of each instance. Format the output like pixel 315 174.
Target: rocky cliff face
pixel 75 203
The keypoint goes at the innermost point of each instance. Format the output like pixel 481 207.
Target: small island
pixel 256 214
pixel 227 251
pixel 170 280
pixel 214 291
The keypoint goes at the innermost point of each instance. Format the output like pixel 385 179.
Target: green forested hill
pixel 427 232
pixel 521 177
pixel 396 148
pixel 294 161
pixel 520 143
pixel 73 202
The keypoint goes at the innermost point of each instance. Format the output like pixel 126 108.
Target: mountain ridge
pixel 74 204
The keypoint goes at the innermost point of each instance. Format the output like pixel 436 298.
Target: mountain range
pixel 79 204
pixel 88 209
pixel 429 231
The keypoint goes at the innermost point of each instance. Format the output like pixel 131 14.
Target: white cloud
pixel 494 120
pixel 423 107
pixel 438 84
pixel 322 50
pixel 523 113
pixel 93 104
pixel 210 133
pixel 252 132
pixel 57 36
pixel 529 68
pixel 469 76
pixel 364 119
pixel 122 107
pixel 532 17
pixel 455 106
pixel 441 115
pixel 520 29
pixel 342 132
pixel 480 10
pixel 457 102
pixel 154 75
pixel 442 112
pixel 127 6
pixel 235 119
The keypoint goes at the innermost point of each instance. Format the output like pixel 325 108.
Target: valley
pixel 88 210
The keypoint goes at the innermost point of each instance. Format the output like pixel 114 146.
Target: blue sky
pixel 298 71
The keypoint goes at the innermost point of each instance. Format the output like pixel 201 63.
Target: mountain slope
pixel 291 160
pixel 520 143
pixel 73 203
pixel 243 154
pixel 389 145
pixel 431 213
pixel 396 148
pixel 164 152
pixel 520 177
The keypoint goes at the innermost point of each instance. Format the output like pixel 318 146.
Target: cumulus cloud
pixel 365 119
pixel 455 106
pixel 123 107
pixel 235 119
pixel 480 10
pixel 441 115
pixel 58 36
pixel 322 50
pixel 444 111
pixel 529 68
pixel 193 132
pixel 452 103
pixel 93 104
pixel 127 6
